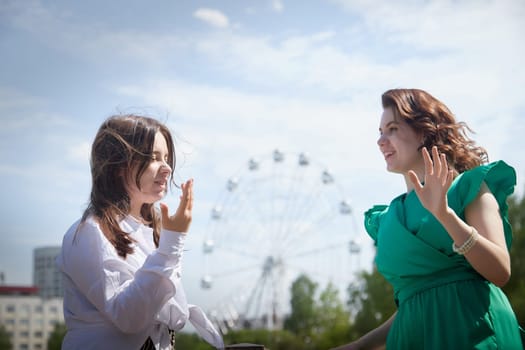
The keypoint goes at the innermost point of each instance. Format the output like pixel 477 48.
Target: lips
pixel 162 184
pixel 388 154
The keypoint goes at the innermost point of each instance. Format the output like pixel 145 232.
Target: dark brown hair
pixel 123 146
pixel 430 118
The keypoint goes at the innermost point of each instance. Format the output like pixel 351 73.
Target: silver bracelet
pixel 469 243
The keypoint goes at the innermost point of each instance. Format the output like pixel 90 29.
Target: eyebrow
pixel 389 123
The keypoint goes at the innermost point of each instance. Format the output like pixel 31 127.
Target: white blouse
pixel 116 303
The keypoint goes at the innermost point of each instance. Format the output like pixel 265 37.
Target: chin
pixel 392 169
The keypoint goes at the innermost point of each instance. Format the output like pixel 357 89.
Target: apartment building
pixel 28 318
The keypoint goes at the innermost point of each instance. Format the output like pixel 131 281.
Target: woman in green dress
pixel 444 244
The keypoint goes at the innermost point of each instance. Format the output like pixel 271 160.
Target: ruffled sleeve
pixel 372 220
pixel 500 179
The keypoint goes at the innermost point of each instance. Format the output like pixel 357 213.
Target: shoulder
pixel 85 236
pixel 373 219
pixel 498 178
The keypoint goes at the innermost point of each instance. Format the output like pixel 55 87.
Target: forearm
pixel 488 258
pixel 133 300
pixel 375 339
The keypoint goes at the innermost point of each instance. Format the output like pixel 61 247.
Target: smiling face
pixel 399 144
pixel 154 179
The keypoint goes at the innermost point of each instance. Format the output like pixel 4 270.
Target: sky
pixel 236 80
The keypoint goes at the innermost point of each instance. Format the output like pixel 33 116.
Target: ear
pixel 421 138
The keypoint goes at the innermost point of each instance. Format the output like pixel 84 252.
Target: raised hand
pixel 438 178
pixel 181 220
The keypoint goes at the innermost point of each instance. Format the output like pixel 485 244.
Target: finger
pixel 414 179
pixel 428 162
pixel 450 178
pixel 183 196
pixel 437 161
pixel 190 195
pixel 444 168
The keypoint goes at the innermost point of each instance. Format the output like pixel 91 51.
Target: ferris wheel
pixel 280 216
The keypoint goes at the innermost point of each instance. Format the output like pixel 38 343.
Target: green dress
pixel 443 303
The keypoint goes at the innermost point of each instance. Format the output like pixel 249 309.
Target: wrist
pixel 171 242
pixel 445 215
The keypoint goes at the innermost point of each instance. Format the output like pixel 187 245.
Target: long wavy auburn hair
pixel 123 148
pixel 430 118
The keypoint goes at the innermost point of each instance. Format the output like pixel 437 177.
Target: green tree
pixel 333 320
pixel 5 340
pixel 303 310
pixel 515 288
pixel 370 301
pixel 318 322
pixel 55 338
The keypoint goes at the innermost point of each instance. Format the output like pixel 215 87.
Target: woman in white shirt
pixel 122 261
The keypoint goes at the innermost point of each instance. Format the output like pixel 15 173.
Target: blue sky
pixel 237 79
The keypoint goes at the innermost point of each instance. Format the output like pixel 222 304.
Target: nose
pixel 381 140
pixel 165 168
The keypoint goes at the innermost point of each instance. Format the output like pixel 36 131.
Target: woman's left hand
pixel 181 220
pixel 438 178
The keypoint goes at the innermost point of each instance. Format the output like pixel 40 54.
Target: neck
pixel 408 183
pixel 135 212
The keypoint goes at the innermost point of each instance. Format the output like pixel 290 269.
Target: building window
pixel 24 346
pixel 38 334
pixel 25 308
pixel 39 309
pixel 24 334
pixel 10 308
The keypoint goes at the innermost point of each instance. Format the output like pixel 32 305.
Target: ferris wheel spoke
pixel 301 210
pixel 240 253
pixel 317 250
pixel 258 222
pixel 235 271
pixel 306 214
pixel 302 233
pixel 292 192
pixel 256 229
pixel 257 293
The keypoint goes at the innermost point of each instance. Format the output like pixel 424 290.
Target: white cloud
pixel 240 124
pixel 212 17
pixel 441 24
pixel 91 41
pixel 80 152
pixel 277 6
pixel 323 36
pixel 21 111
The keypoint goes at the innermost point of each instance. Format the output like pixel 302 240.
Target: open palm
pixel 438 178
pixel 181 220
